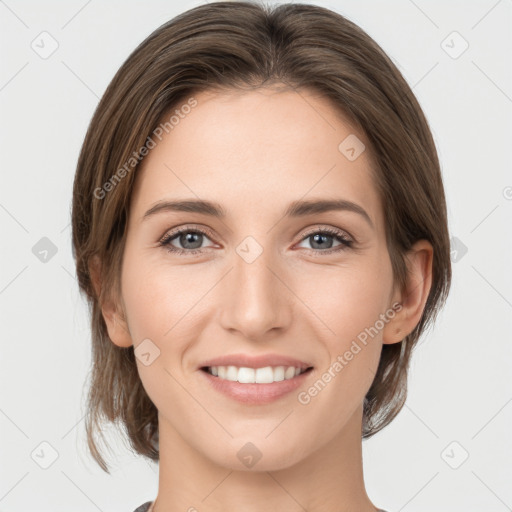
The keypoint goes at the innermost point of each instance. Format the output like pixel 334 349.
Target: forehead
pixel 256 148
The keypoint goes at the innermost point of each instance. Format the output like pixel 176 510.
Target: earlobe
pixel 116 326
pixel 114 319
pixel 413 299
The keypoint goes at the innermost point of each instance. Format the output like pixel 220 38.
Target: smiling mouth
pixel 264 375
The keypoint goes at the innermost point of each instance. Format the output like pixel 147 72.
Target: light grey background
pixel 460 395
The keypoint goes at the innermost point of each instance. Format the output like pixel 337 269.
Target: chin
pixel 254 454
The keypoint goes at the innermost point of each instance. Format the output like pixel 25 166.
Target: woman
pixel 259 224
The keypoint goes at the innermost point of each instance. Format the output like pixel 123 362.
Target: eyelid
pixel 169 233
pixel 309 231
pixel 347 239
pixel 329 229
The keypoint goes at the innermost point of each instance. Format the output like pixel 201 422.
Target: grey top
pixel 145 507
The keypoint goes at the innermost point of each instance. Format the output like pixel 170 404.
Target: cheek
pixel 158 297
pixel 342 300
pixel 349 302
pixel 162 306
pixel 348 299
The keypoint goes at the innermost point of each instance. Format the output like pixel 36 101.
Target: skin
pixel 254 153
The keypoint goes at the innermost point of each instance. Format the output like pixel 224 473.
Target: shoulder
pixel 144 507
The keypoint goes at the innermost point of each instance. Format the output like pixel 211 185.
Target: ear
pixel 113 315
pixel 413 298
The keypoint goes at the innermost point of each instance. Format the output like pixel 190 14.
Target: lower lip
pixel 255 393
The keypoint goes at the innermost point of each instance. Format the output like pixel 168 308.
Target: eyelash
pixel 345 242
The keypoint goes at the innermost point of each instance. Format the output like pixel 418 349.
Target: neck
pixel 328 480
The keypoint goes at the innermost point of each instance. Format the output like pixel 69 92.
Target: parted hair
pixel 248 45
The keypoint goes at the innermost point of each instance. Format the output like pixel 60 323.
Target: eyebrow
pixel 299 208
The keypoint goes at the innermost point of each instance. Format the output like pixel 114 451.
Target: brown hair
pixel 249 45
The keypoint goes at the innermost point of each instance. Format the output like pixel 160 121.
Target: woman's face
pixel 257 281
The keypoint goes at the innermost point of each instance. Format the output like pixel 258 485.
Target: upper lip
pixel 259 361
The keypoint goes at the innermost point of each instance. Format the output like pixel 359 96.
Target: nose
pixel 257 302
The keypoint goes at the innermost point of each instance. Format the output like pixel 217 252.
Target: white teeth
pixel 279 373
pixel 264 375
pixel 290 372
pixel 231 373
pixel 246 375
